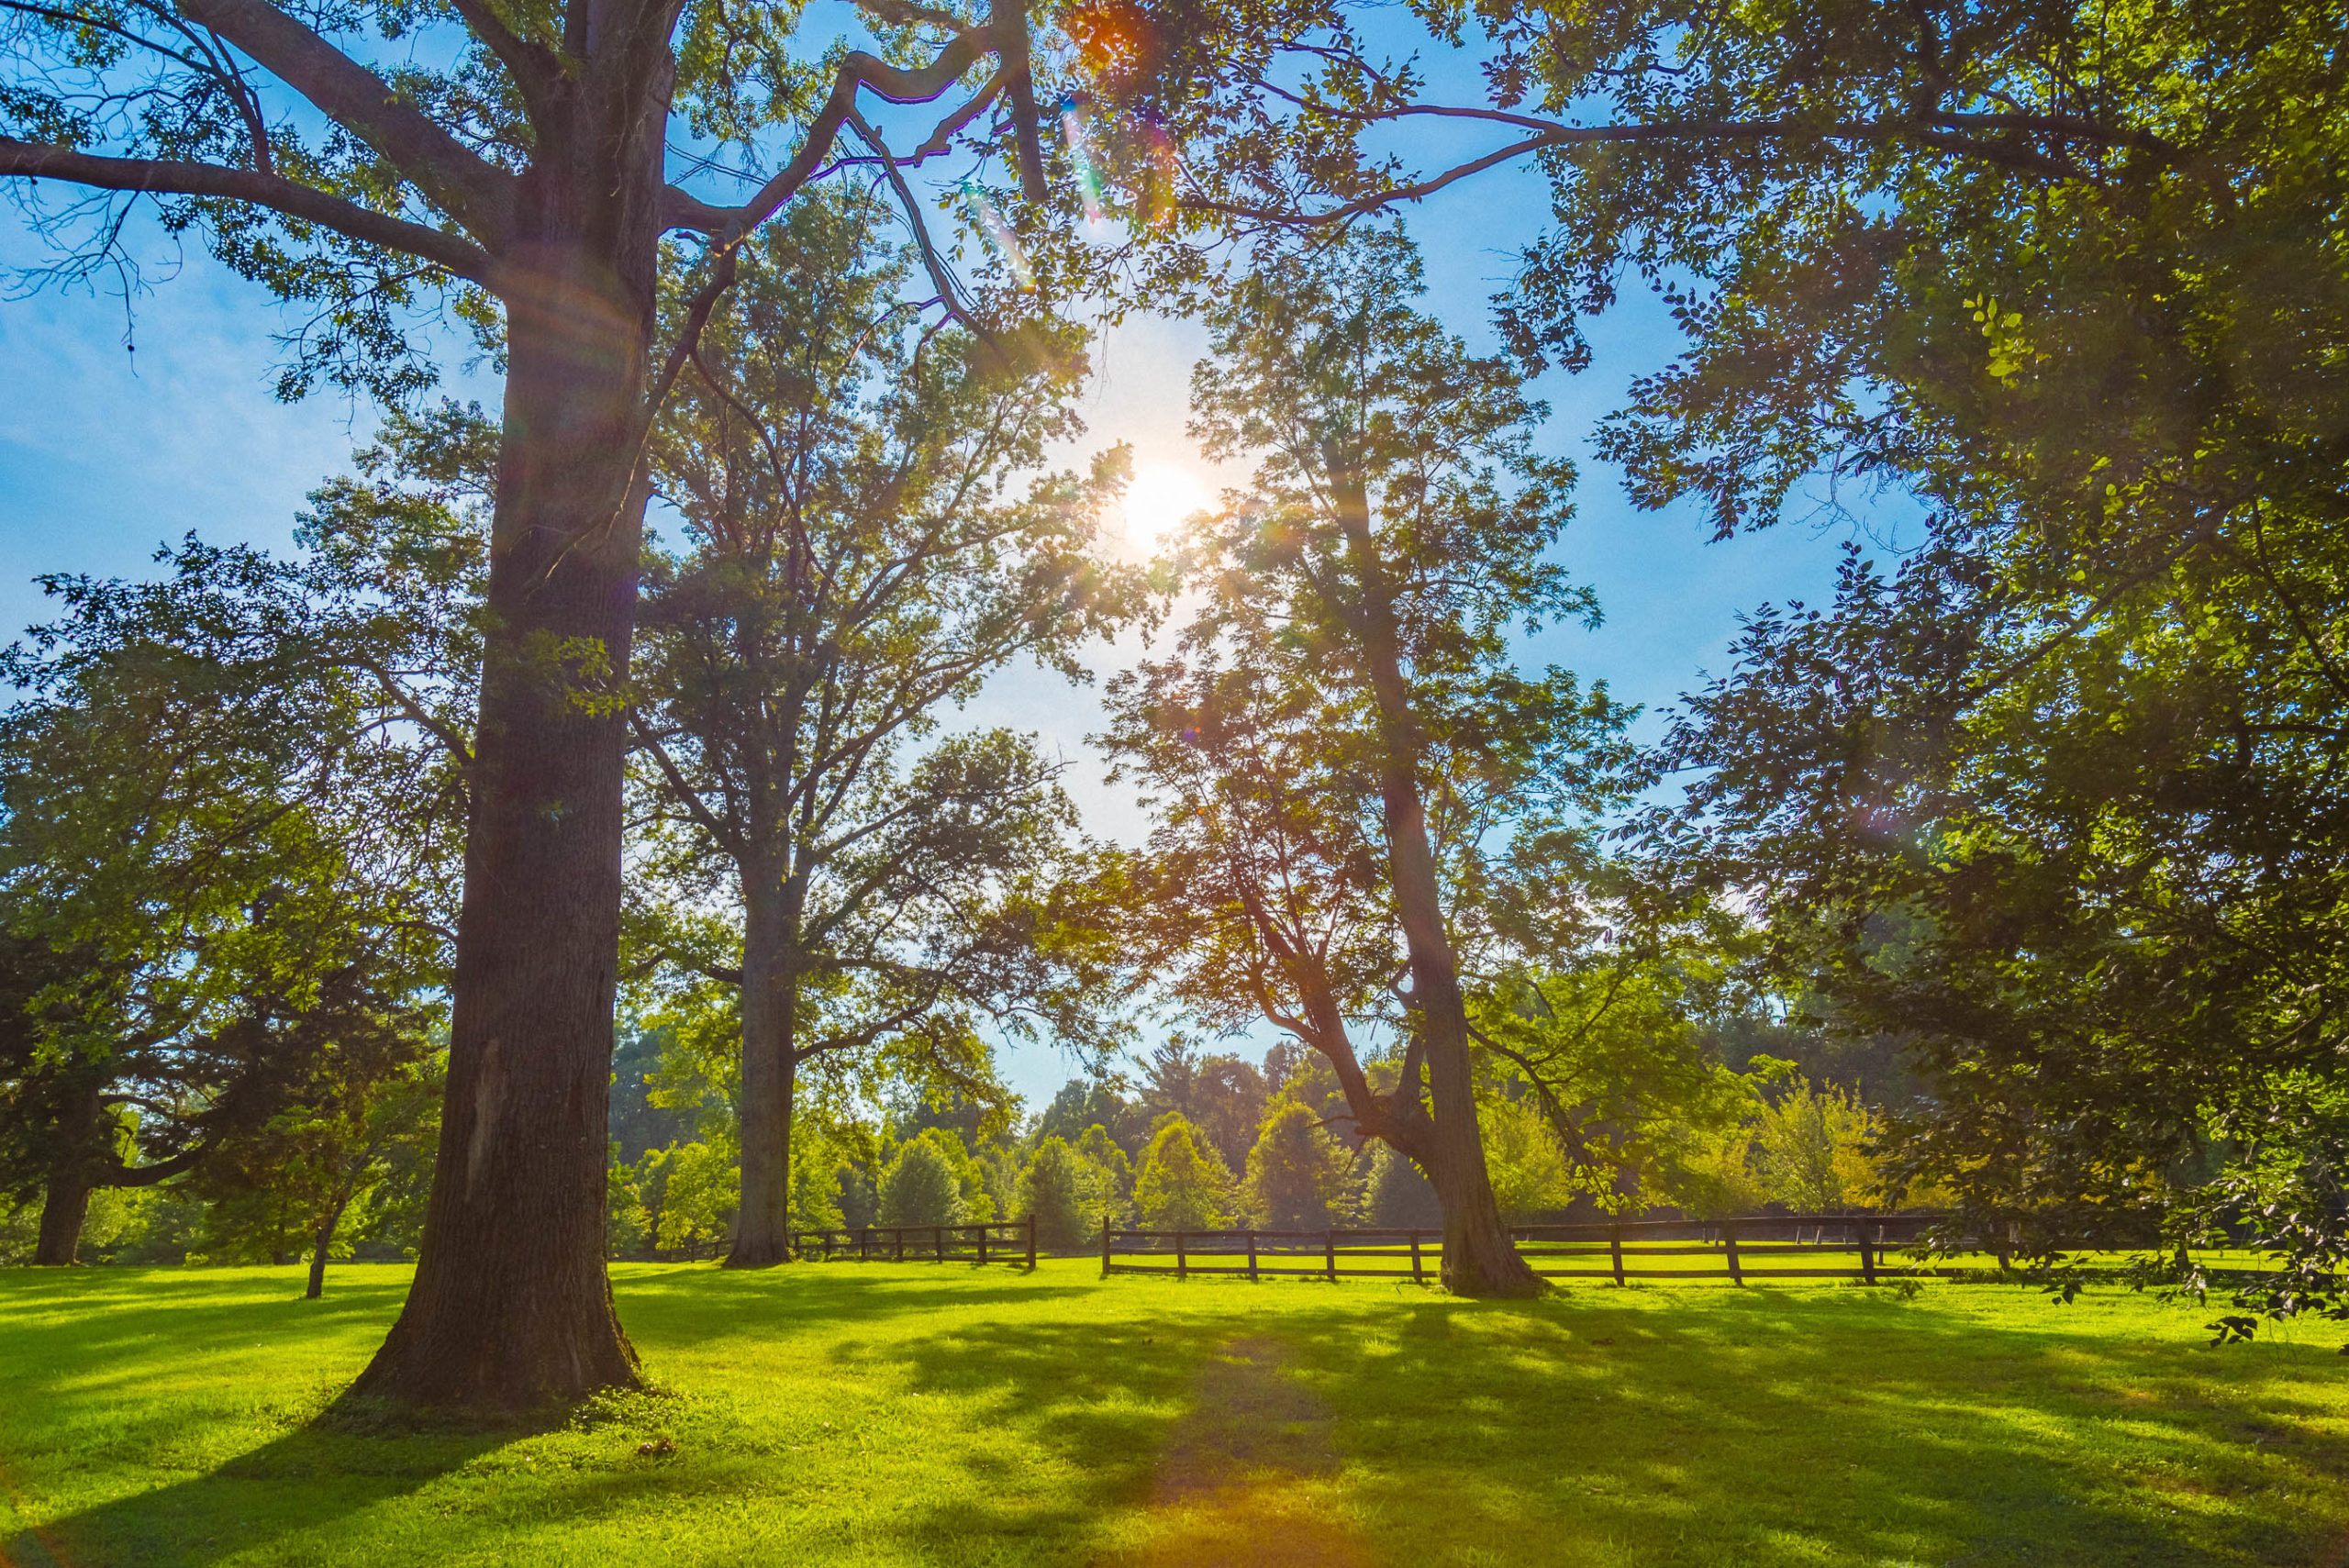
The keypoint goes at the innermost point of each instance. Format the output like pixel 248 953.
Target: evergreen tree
pixel 1053 1192
pixel 1298 1177
pixel 1184 1184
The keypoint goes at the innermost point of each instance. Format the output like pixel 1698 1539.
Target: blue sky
pixel 105 454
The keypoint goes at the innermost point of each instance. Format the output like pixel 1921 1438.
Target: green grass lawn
pixel 914 1413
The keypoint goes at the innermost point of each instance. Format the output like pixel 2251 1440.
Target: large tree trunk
pixel 1478 1257
pixel 770 1007
pixel 65 1205
pixel 511 1304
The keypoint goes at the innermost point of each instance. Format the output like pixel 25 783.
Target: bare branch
pixel 167 177
pixel 1936 132
pixel 939 277
pixel 858 71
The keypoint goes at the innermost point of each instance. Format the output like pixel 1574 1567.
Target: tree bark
pixel 1478 1258
pixel 511 1304
pixel 322 1244
pixel 73 1176
pixel 770 1068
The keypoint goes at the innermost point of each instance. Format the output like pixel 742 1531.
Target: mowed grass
pixel 917 1413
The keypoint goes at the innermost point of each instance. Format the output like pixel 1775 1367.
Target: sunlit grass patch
pixel 919 1414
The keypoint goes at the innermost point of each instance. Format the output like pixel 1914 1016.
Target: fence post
pixel 1182 1265
pixel 983 1246
pixel 1418 1275
pixel 864 1244
pixel 1330 1253
pixel 1031 1244
pixel 897 1232
pixel 1251 1254
pixel 1615 1246
pixel 938 1242
pixel 1867 1257
pixel 1728 1235
pixel 1105 1243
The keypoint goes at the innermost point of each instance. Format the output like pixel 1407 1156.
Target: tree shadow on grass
pixel 1779 1428
pixel 314 1476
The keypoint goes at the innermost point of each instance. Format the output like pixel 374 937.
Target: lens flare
pixel 1154 179
pixel 1116 41
pixel 1007 244
pixel 1080 154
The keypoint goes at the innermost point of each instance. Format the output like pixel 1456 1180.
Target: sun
pixel 1158 500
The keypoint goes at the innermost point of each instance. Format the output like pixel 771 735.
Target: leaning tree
pixel 1348 692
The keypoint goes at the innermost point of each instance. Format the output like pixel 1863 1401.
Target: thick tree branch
pixel 123 1175
pixel 688 796
pixel 166 177
pixel 535 68
pixel 858 72
pixel 457 180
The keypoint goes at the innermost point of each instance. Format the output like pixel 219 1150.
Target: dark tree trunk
pixel 71 1178
pixel 321 1245
pixel 511 1304
pixel 1478 1257
pixel 62 1210
pixel 770 1007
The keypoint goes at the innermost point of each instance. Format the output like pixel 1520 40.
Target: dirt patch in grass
pixel 1245 1477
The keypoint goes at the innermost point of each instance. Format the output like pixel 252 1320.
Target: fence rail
pixel 1751 1247
pixel 996 1241
pixel 1741 1249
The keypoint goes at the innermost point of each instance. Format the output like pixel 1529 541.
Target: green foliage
pixel 1609 1059
pixel 349 1158
pixel 212 960
pixel 866 539
pixel 1343 749
pixel 1810 1149
pixel 1529 1169
pixel 1298 1177
pixel 1084 1102
pixel 921 1187
pixel 686 1194
pixel 1183 1184
pixel 1053 1192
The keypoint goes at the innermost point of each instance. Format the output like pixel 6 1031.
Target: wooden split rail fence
pixel 1758 1248
pixel 1000 1242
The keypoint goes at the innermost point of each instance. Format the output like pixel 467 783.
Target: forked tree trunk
pixel 770 1005
pixel 65 1205
pixel 1478 1258
pixel 511 1304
